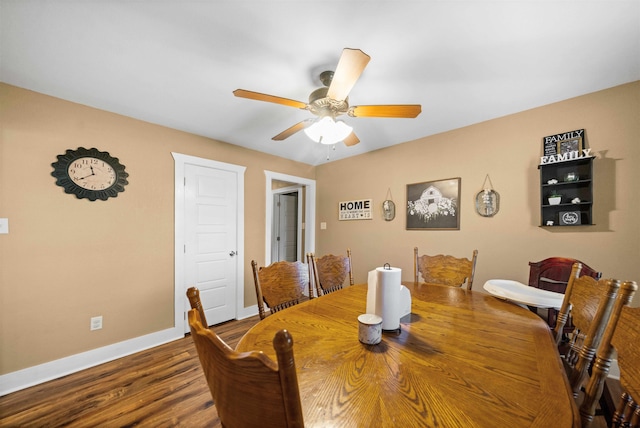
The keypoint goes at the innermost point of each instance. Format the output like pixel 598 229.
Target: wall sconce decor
pixel 487 200
pixel 388 207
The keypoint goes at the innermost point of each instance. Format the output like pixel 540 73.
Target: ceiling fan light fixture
pixel 326 130
pixel 331 101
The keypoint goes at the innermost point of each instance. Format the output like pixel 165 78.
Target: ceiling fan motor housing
pixel 321 105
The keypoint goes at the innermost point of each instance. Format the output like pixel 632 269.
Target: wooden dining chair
pixel 621 334
pixel 590 304
pixel 193 294
pixel 445 269
pixel 280 285
pixel 249 389
pixel 330 272
pixel 552 274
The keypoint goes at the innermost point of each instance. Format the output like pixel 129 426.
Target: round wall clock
pixel 90 173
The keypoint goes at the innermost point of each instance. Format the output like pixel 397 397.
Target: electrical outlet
pixel 96 323
pixel 4 225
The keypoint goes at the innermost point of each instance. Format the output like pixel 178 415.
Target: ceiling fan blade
pixel 399 111
pixel 351 140
pixel 293 129
pixel 242 93
pixel 350 66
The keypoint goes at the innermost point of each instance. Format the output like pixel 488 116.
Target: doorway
pixel 210 239
pixel 286 235
pixel 306 189
pixel 211 176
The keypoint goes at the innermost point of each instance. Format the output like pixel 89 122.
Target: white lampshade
pixel 328 131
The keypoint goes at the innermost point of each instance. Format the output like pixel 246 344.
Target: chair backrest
pixel 279 285
pixel 329 272
pixel 444 269
pixel 249 389
pixel 589 303
pixel 553 273
pixel 193 294
pixel 622 334
pixel 626 341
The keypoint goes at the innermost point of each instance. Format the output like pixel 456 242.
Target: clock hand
pixel 92 173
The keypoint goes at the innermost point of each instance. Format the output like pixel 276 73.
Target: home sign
pixel 355 210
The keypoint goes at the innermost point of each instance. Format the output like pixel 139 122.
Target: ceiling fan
pixel 331 101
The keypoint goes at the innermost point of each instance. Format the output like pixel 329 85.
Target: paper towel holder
pixel 398 330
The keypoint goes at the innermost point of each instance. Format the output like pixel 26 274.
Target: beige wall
pixel 66 260
pixel 508 149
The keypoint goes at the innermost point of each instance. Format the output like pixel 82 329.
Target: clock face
pixel 90 174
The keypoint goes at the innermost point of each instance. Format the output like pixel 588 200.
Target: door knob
pixel 232 253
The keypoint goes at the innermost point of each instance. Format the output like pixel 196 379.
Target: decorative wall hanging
pixel 90 174
pixel 434 205
pixel 388 207
pixel 355 210
pixel 487 200
pixel 564 147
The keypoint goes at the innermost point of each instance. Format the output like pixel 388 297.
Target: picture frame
pixel 434 205
pixel 570 145
pixel 563 142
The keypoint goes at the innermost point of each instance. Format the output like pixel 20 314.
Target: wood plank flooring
pixel 159 387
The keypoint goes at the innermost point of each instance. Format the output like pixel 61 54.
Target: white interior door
pixel 211 240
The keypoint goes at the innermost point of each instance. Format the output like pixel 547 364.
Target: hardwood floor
pixel 160 387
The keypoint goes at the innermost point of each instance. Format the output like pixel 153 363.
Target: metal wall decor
pixel 487 200
pixel 388 207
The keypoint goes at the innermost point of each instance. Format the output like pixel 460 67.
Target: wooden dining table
pixel 461 359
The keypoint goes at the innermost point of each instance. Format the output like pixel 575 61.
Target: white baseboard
pixel 35 375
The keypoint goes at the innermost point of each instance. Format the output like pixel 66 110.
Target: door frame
pixel 309 210
pixel 180 288
pixel 299 229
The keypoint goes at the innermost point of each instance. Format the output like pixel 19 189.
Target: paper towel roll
pixel 372 291
pixel 388 295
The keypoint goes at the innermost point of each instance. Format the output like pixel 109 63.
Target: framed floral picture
pixel 434 205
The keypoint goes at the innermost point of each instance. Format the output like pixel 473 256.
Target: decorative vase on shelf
pixel 555 200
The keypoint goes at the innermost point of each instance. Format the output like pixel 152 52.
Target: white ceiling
pixel 176 62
